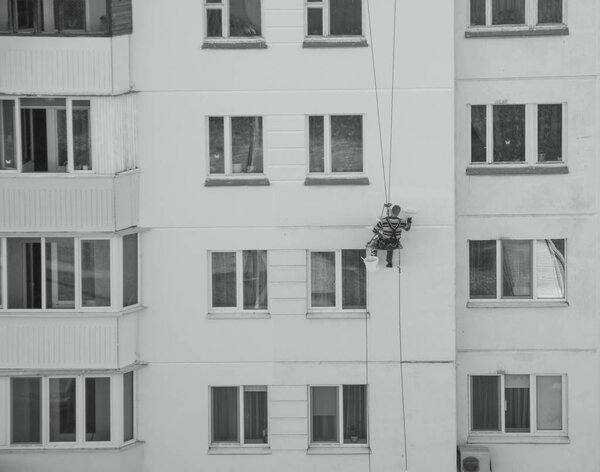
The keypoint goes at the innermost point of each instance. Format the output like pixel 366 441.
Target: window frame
pixel 531 136
pixel 531 19
pixel 228 149
pixel 80 412
pixel 324 5
pixel 534 431
pixel 60 30
pixel 340 413
pixel 327 154
pixel 338 308
pixel 239 281
pixel 225 7
pixel 69 107
pixel 240 403
pixel 116 274
pixel 499 275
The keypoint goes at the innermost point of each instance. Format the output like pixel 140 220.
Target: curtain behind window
pixel 324 412
pixel 345 17
pixel 508 12
pixel 549 402
pixel 551 266
pixel 516 269
pixel 509 133
pixel 255 280
pixel 355 413
pixel 346 144
pixel 354 280
pixel 225 414
pixel 62 410
pixel 224 291
pixel 4 18
pixel 244 18
pixel 516 395
pixel 255 415
pixel 550 133
pixel 549 11
pixel 322 279
pixel 477 12
pixel 25 410
pixel 247 144
pixel 482 269
pixel 95 273
pixel 7 134
pixel 485 399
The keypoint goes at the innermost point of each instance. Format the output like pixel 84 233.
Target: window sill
pixel 518 169
pixel 239 450
pixel 19 449
pixel 242 181
pixel 240 315
pixel 335 42
pixel 520 439
pixel 339 450
pixel 235 43
pixel 517 304
pixel 99 34
pixel 516 31
pixel 336 180
pixel 338 315
pixel 79 313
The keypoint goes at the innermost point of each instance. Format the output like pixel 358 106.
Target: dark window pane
pixel 24 261
pixel 516 269
pixel 95 273
pixel 324 414
pixel 62 410
pixel 82 157
pixel 508 12
pixel 316 143
pixel 74 15
pixel 7 135
pixel 485 403
pixel 549 402
pixel 214 23
pixel 224 290
pixel 216 136
pixel 478 133
pixel 128 409
pixel 477 12
pixel 25 410
pixel 255 280
pixel 247 144
pixel 255 415
pixel 549 133
pixel 550 11
pixel 516 395
pixel 48 15
pixel 345 17
pixel 315 21
pixel 482 269
pixel 346 144
pixel 60 273
pixel 4 18
pixel 354 280
pixel 97 409
pixel 509 133
pixel 26 12
pixel 550 268
pixel 322 279
pixel 130 270
pixel 225 414
pixel 355 413
pixel 244 18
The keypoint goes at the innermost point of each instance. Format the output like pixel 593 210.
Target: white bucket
pixel 371 263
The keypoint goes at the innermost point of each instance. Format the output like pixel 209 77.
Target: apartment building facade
pixel 526 232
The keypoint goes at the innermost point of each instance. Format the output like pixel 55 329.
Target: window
pixel 335 144
pixel 56 273
pixel 338 280
pixel 128 410
pixel 518 404
pixel 517 134
pixel 517 269
pixel 233 18
pixel 235 145
pixel 53 16
pixel 55 135
pixel 528 13
pixel 338 414
pixel 239 419
pixel 67 418
pixel 239 280
pixel 333 17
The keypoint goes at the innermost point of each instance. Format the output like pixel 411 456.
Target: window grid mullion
pixel 18 144
pixel 225 18
pixel 228 144
pixel 79 410
pixel 45 411
pixel 563 131
pixel 533 403
pixel 502 403
pixel 488 12
pixel 533 244
pixel 43 272
pixel 70 150
pixel 3 274
pixel 326 17
pixel 241 414
pixel 327 141
pixel 239 277
pixel 499 294
pixel 531 136
pixel 77 272
pixel 532 17
pixel 340 414
pixel 489 134
pixel 338 279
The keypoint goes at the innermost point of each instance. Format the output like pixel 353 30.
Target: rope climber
pixel 388 231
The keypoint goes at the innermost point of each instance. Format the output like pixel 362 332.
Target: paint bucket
pixel 371 263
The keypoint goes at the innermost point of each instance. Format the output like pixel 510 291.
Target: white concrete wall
pixel 180 85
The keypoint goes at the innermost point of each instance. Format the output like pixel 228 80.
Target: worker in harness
pixel 387 233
